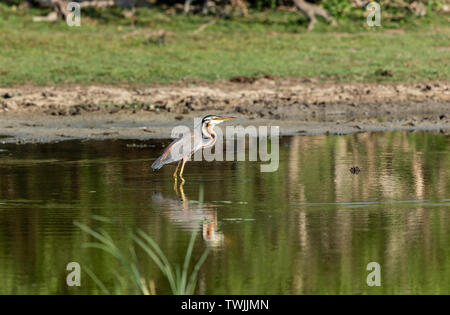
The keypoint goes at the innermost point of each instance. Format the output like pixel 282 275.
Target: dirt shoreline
pixel 47 114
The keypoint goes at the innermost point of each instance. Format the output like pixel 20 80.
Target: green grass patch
pixel 109 49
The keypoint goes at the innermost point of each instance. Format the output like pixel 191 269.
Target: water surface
pixel 311 227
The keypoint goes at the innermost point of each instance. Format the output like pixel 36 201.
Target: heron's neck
pixel 208 131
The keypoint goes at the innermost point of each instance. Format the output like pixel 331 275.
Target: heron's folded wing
pixel 174 152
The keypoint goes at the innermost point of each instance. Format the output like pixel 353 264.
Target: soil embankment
pixel 44 114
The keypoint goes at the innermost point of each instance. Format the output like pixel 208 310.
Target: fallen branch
pixel 417 7
pixel 51 17
pixel 97 3
pixel 201 28
pixel 60 7
pixel 311 10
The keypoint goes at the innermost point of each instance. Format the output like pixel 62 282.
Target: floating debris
pixel 238 219
pixel 140 146
pixel 228 202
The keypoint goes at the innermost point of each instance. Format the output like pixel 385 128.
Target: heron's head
pixel 215 120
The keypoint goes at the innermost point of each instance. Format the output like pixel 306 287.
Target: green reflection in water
pixel 311 227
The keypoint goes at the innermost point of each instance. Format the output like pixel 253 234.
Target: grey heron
pixel 176 151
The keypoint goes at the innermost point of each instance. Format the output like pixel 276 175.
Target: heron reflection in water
pixel 191 214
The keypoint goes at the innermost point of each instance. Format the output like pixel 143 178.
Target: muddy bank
pixel 43 114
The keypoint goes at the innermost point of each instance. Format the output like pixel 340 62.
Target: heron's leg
pixel 182 169
pixel 183 196
pixel 175 185
pixel 176 170
pixel 180 194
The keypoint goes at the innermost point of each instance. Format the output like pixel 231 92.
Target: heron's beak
pixel 225 118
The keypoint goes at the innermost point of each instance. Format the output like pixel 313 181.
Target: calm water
pixel 311 227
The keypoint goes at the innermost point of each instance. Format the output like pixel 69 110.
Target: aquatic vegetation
pixel 181 280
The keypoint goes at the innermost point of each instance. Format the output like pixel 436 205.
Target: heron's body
pixel 203 137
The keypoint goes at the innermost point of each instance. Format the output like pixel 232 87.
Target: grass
pixel 107 49
pixel 181 280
